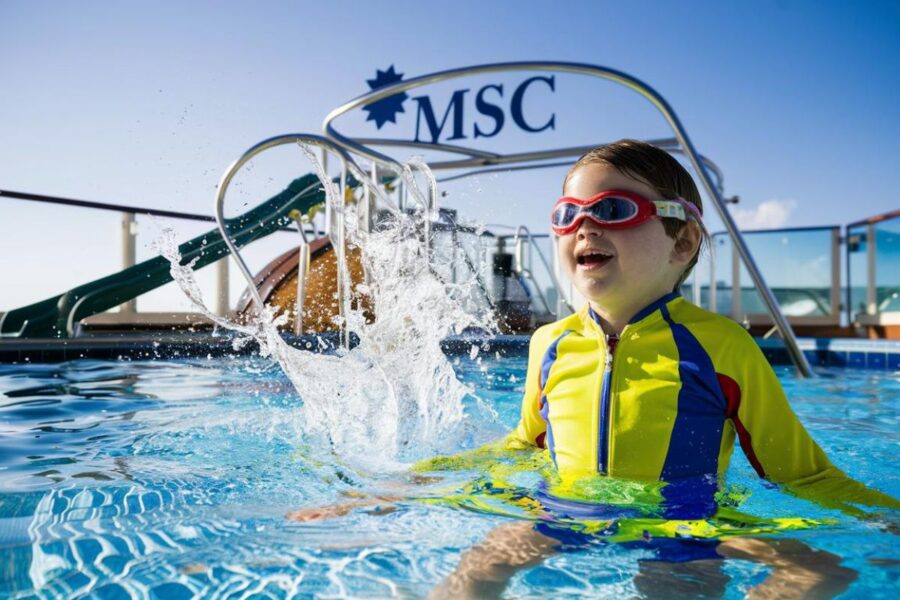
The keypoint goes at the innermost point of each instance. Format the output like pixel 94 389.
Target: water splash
pixel 395 397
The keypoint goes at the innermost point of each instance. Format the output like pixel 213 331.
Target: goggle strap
pixel 677 209
pixel 671 209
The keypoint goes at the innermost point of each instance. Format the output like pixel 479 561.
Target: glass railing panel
pixel 887 266
pixel 798 266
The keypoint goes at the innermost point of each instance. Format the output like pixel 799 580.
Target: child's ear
pixel 687 241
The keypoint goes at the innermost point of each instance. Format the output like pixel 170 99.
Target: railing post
pixel 871 285
pixel 302 272
pixel 129 232
pixel 222 300
pixel 736 285
pixel 836 274
pixel 713 292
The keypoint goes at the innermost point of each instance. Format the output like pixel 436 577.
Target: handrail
pixel 104 206
pixel 302 271
pixel 708 163
pixel 120 208
pixel 869 221
pixel 334 215
pixel 634 84
pixel 518 263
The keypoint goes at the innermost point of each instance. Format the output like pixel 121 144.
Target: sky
pixel 146 104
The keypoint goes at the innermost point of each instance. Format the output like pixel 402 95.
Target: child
pixel 641 385
pixel 677 383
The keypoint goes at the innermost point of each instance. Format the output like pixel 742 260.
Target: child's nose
pixel 588 228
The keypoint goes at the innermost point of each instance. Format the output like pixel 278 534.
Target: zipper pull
pixel 611 342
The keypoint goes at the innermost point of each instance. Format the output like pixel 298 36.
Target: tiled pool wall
pixel 881 355
pixel 820 352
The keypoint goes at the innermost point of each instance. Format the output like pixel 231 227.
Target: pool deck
pixel 833 352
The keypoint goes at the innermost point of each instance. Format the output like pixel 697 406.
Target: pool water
pixel 173 479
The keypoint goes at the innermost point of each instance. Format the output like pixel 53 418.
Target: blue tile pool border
pixel 881 355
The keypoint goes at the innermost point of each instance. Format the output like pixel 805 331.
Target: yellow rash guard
pixel 666 401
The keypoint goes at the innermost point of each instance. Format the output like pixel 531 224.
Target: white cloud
pixel 770 214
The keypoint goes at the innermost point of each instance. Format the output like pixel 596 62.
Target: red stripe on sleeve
pixel 541 440
pixel 732 392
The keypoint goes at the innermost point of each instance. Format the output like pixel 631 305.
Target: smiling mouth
pixel 593 260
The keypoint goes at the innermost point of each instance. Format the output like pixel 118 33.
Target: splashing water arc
pixel 395 396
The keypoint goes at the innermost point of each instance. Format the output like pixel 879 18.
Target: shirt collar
pixel 641 314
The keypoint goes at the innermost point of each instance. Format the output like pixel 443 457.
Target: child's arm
pixel 532 428
pixel 781 450
pixel 529 432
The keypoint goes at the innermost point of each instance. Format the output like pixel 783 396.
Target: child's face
pixel 642 263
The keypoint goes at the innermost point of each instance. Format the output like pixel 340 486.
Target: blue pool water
pixel 172 479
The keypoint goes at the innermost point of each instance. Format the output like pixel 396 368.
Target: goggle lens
pixel 612 209
pixel 564 215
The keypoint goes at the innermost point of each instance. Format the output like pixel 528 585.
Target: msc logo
pixel 489 104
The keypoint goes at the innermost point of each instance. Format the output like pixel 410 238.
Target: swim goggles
pixel 616 209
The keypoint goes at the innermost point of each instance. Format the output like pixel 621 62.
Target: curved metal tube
pixel 519 263
pixel 628 81
pixel 494 161
pixel 302 271
pixel 291 138
pixel 11 334
pixel 450 148
pixel 429 204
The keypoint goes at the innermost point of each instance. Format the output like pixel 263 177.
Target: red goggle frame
pixel 613 209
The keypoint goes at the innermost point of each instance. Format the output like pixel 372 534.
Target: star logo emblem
pixel 386 109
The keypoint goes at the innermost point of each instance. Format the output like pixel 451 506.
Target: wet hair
pixel 645 162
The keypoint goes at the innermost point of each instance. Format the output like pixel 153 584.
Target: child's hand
pixel 321 513
pixel 382 505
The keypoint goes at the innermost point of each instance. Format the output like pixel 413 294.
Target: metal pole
pixel 735 286
pixel 223 305
pixel 342 273
pixel 713 299
pixel 129 252
pixel 836 275
pixel 302 271
pixel 871 288
pixel 366 208
pixel 557 275
pixel 695 287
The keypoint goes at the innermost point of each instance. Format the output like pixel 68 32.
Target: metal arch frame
pixel 493 162
pixel 683 143
pixel 334 223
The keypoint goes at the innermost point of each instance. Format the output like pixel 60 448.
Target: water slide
pixel 55 317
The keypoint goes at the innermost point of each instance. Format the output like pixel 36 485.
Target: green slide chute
pixel 53 317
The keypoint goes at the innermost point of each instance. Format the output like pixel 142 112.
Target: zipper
pixel 605 402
